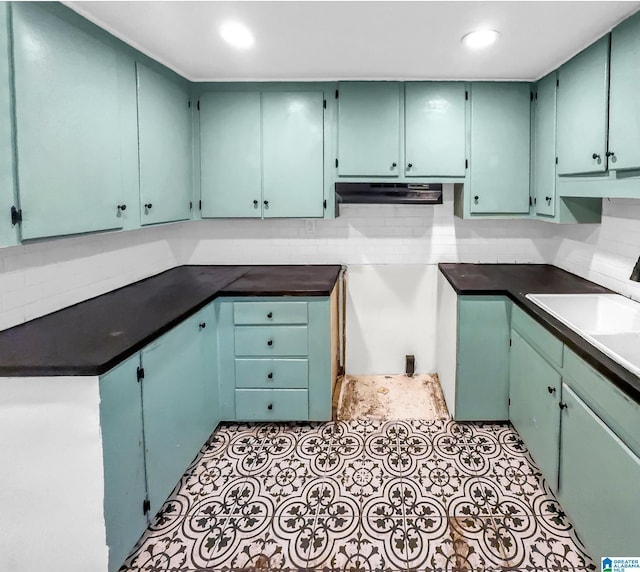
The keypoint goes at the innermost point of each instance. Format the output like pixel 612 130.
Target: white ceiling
pixel 308 40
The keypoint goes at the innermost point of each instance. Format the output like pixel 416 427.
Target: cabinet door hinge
pixel 198 105
pixel 146 506
pixel 324 203
pixel 140 373
pixel 337 92
pixel 200 205
pixel 466 96
pixel 466 163
pixel 324 103
pixel 16 216
pixel 336 163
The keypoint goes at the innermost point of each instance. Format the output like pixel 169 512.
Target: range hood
pixel 388 193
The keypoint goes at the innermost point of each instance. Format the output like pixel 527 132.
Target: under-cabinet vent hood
pixel 388 193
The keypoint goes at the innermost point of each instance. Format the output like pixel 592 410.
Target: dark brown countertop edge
pixel 620 376
pixel 224 291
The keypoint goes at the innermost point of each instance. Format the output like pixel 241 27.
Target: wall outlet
pixel 310 226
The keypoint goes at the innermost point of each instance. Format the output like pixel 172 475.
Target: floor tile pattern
pixel 361 496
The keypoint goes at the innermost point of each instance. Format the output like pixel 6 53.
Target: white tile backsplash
pixel 39 278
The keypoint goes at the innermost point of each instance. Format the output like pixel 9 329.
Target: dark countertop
pixel 517 280
pixel 93 336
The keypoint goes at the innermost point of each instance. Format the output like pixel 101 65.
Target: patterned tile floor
pixel 361 496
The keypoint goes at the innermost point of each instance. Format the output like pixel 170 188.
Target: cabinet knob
pixel 595 156
pixel 270 342
pixel 148 206
pixel 394 165
pixel 476 198
pixel 551 389
pixel 562 405
pixel 548 199
pixel 122 207
pixel 270 406
pixel 202 325
pixel 270 375
pixel 266 204
pixel 270 315
pixel 409 165
pixel 255 203
pixel 610 154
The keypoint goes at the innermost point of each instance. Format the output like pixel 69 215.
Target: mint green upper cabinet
pixel 230 154
pixel 534 395
pixel 435 129
pixel 500 137
pixel 582 111
pixel 164 135
pixel 369 129
pixel 123 454
pixel 293 161
pixel 7 189
pixel 68 128
pixel 624 90
pixel 544 157
pixel 178 397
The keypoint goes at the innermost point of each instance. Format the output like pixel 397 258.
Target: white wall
pixel 51 475
pixel 603 253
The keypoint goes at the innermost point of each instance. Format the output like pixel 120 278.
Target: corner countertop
pixel 94 336
pixel 518 280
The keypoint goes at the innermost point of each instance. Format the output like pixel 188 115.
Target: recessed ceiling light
pixel 480 39
pixel 237 35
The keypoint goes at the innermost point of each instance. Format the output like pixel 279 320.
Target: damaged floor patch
pixel 391 397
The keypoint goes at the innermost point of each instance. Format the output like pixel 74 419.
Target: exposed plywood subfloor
pixel 388 397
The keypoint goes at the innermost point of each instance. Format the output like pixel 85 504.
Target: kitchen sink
pixel 608 321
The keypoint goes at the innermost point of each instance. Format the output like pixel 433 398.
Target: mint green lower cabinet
pixel 123 455
pixel 599 478
pixel 369 129
pixel 178 398
pixel 534 396
pixel 295 373
pixel 544 151
pixel 500 142
pixel 482 379
pixel 293 154
pixel 272 404
pixel 583 93
pixel 164 148
pixel 435 129
pixel 279 373
pixel 68 126
pixel 231 154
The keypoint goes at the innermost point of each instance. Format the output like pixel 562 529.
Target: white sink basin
pixel 608 321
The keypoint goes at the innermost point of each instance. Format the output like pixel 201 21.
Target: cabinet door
pixel 178 396
pixel 624 107
pixel 582 111
pixel 369 129
pixel 230 154
pixel 482 380
pixel 123 455
pixel 599 479
pixel 67 126
pixel 544 174
pixel 164 135
pixel 500 132
pixel 435 129
pixel 293 149
pixel 7 189
pixel 534 412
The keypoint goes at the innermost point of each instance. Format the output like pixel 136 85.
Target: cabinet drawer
pixel 272 373
pixel 272 404
pixel 270 313
pixel 542 340
pixel 271 340
pixel 617 410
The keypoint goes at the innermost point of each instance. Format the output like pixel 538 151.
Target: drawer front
pixel 542 340
pixel 617 410
pixel 271 341
pixel 272 404
pixel 272 373
pixel 265 313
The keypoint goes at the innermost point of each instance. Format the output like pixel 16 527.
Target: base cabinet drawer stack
pixel 277 358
